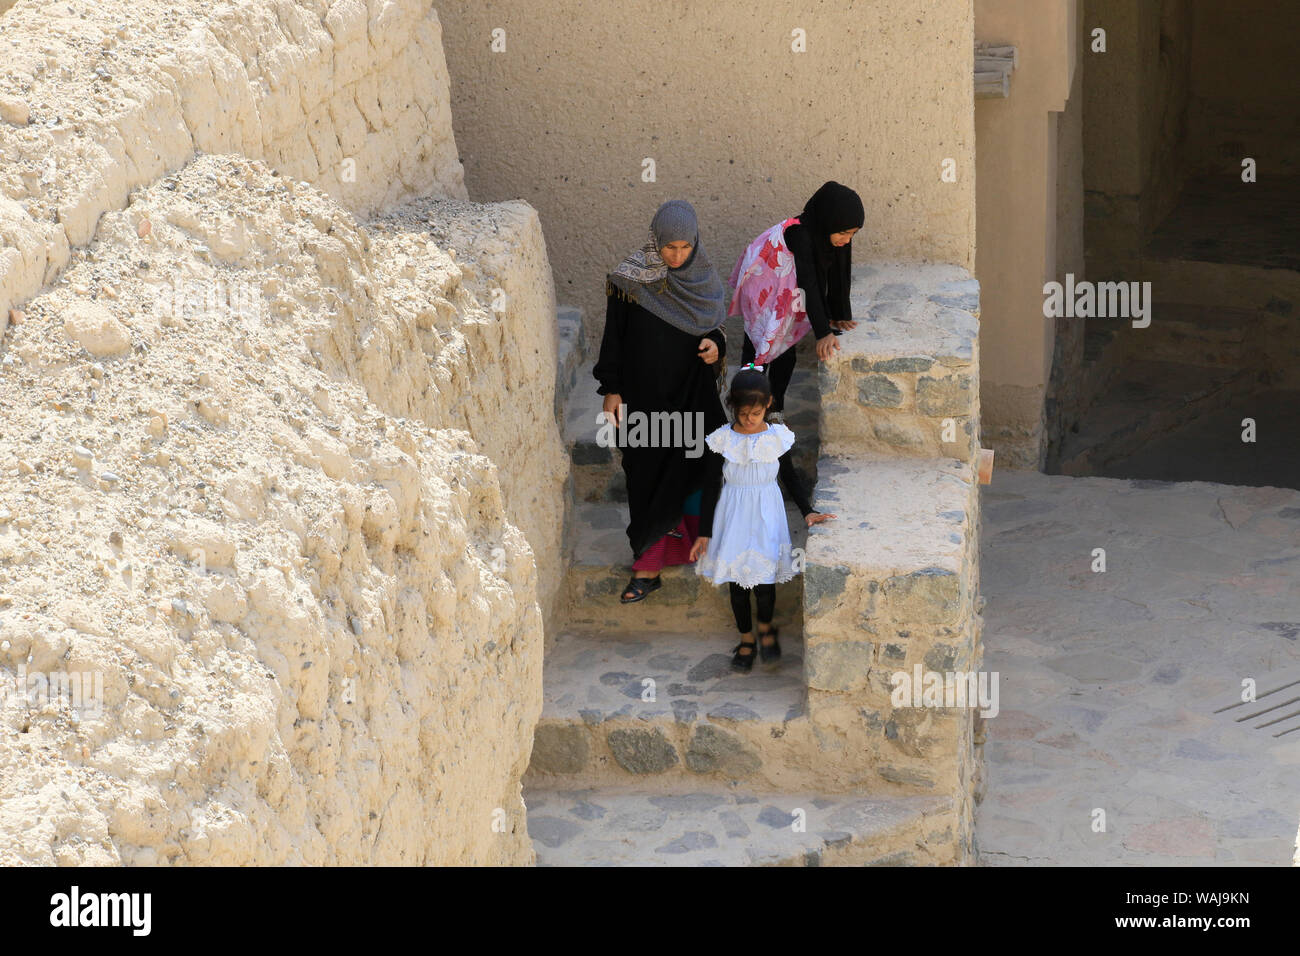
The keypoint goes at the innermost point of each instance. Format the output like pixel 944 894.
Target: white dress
pixel 751 538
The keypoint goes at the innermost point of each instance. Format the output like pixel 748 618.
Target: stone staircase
pixel 1221 334
pixel 1148 383
pixel 651 751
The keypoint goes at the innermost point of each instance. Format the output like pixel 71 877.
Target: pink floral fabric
pixel 767 294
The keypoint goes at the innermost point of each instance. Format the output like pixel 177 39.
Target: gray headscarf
pixel 691 298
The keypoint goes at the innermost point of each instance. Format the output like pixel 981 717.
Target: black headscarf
pixel 833 208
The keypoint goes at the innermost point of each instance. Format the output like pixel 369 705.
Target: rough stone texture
pixel 559 748
pixel 304 86
pixel 642 751
pixel 714 750
pixel 842 666
pixel 319 633
pixel 255 470
pixel 901 556
pixel 892 584
pixel 909 368
pixel 466 330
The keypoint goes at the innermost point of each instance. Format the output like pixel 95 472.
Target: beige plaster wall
pixel 1017 210
pixel 736 122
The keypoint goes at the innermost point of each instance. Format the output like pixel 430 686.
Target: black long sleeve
pixel 609 364
pixel 805 266
pixel 712 488
pixel 721 341
pixel 793 484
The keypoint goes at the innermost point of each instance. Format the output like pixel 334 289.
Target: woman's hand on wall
pixel 844 325
pixel 827 346
pixel 816 517
pixel 708 351
pixel 612 402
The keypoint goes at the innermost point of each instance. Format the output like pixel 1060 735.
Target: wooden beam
pixel 992 84
pixel 993 68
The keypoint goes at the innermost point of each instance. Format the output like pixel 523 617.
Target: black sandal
pixel 639 588
pixel 769 652
pixel 743 662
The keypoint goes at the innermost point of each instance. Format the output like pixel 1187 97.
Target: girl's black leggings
pixel 765 595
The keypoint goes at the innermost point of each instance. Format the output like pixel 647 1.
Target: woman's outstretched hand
pixel 612 401
pixel 844 325
pixel 708 351
pixel 816 517
pixel 699 549
pixel 827 345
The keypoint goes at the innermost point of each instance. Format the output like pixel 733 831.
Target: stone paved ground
pixel 603 678
pixel 705 828
pixel 1108 681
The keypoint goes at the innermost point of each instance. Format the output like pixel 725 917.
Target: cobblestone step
pixel 668 705
pixel 600 563
pixel 706 827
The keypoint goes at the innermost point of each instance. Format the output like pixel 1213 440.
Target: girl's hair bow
pixel 751 365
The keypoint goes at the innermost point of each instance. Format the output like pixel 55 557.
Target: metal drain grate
pixel 1275 709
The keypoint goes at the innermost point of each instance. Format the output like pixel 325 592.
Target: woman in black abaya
pixel 662 350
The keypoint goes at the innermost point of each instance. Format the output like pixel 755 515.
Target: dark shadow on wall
pixel 1192 179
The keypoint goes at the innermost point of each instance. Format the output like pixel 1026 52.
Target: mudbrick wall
pixel 278 463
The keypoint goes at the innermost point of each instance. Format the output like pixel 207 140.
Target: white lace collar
pixel 766 445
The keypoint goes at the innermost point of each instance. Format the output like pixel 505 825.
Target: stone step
pixel 669 706
pixel 1145 401
pixel 718 827
pixel 600 563
pixel 597 471
pixel 1199 282
pixel 1191 335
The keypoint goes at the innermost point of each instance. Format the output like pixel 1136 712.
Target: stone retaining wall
pixel 895 585
pixel 909 368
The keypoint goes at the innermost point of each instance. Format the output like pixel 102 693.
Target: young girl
pixel 744 539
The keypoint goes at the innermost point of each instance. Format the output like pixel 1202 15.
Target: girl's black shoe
pixel 770 653
pixel 743 662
